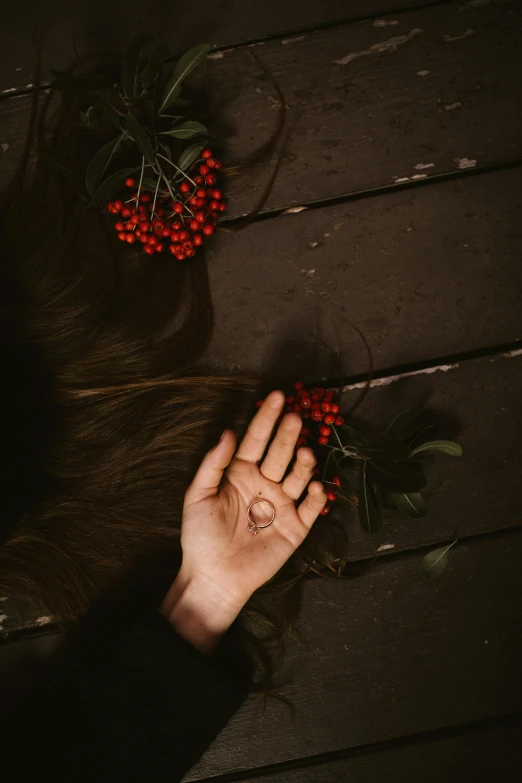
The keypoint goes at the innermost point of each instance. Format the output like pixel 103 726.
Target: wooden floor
pixel 405 156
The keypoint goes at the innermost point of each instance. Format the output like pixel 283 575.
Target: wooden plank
pixel 484 754
pixel 73 25
pixel 373 121
pixel 387 655
pixel 423 273
pixel 374 106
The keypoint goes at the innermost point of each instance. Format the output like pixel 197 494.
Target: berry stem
pixel 180 171
pixel 141 179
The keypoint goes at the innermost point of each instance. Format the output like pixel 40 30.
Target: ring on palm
pixel 253 526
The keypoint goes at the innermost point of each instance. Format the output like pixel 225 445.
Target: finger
pixel 313 503
pixel 295 483
pixel 210 472
pixel 259 431
pixel 282 448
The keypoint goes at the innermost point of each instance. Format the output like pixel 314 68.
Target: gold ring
pixel 253 526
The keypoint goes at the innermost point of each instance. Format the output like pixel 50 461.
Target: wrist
pixel 199 611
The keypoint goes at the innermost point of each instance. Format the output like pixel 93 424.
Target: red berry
pixel 193 201
pixel 217 164
pixel 222 206
pixel 319 391
pixel 144 238
pixel 122 235
pixel 175 236
pixel 301 442
pixel 337 481
pixel 208 230
pixel 159 247
pixel 217 194
pixel 160 212
pixel 338 421
pixel 119 226
pixel 130 238
pixel 145 225
pixel 329 418
pixel 326 431
pixel 129 226
pixel 325 407
pixel 203 169
pixel 125 212
pixel 200 202
pixel 180 256
pixel 152 240
pixel 324 511
pixel 334 408
pixel 210 179
pixel 130 182
pixel 178 208
pixel 149 249
pixel 290 400
pixel 305 402
pixel 306 414
pixel 199 180
pixel 194 225
pixel 158 225
pixel 184 187
pixel 198 240
pixel 183 235
pixel 322 441
pixel 206 153
pixel 165 233
pixel 331 495
pixel 172 249
pixel 299 385
pixel 214 205
pixel 118 205
pixel 259 403
pixel 177 226
pixel 211 163
pixel 297 408
pixel 201 193
pixel 145 198
pixel 134 220
pixel 200 217
pixel 317 415
pixel 187 245
pixel 110 206
pixel 305 432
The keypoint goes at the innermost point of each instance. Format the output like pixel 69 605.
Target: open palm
pixel 217 544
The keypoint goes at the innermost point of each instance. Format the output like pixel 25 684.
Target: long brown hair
pixel 104 420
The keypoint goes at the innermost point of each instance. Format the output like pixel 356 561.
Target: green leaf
pixel 394 428
pixel 411 504
pixel 153 68
pixel 346 485
pixel 188 156
pixel 100 102
pixel 110 185
pixel 446 446
pixel 186 130
pixel 351 436
pixel 184 67
pixel 394 476
pixel 393 450
pixel 371 520
pixel 99 163
pixel 136 132
pixel 130 64
pixel 434 563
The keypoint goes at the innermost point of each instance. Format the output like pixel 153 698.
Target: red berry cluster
pixel 179 225
pixel 320 407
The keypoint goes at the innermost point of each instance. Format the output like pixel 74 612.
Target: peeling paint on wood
pixel 465 163
pixel 385 23
pixel 451 106
pixel 394 378
pixel 466 34
pixel 390 45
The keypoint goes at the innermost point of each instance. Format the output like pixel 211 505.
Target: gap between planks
pixel 511 719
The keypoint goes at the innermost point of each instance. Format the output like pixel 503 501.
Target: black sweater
pixel 125 699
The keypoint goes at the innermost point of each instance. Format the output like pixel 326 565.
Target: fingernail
pixel 222 435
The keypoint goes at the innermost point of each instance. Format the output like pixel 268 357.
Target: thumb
pixel 210 472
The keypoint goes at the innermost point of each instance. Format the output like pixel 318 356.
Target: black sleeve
pixel 126 699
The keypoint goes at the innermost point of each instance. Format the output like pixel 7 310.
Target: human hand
pixel 223 561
